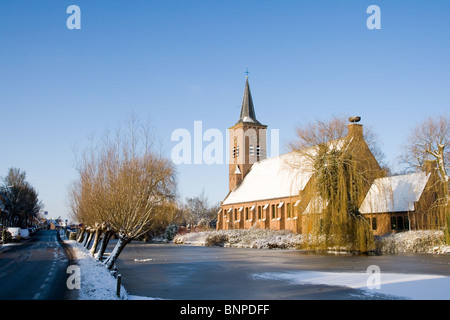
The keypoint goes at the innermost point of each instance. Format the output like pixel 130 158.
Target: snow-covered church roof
pixel 276 177
pixel 395 194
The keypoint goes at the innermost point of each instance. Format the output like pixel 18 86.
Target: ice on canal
pixel 407 286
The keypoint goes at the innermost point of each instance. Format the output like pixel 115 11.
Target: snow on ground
pixel 97 282
pixel 10 244
pixel 423 241
pixel 242 238
pixel 406 286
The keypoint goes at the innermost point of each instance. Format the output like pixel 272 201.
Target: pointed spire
pixel 247 109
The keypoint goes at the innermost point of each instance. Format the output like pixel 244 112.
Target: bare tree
pixel 124 185
pixel 430 139
pixel 86 202
pixel 322 132
pixel 198 211
pixel 20 199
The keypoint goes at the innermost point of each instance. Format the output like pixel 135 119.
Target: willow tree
pixel 141 191
pixel 342 186
pixel 126 185
pixel 87 203
pixel 343 168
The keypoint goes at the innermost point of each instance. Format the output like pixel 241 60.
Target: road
pixel 183 272
pixel 34 269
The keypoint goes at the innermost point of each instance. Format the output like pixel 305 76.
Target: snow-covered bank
pixel 422 241
pixel 242 238
pixel 97 282
pixel 404 242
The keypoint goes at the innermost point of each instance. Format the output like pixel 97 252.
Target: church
pixel 272 193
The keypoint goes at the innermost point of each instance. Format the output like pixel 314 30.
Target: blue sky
pixel 175 62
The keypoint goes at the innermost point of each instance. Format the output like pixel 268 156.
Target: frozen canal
pixel 183 272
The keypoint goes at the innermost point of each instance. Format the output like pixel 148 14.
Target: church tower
pixel 247 141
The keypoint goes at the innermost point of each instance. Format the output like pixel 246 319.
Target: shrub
pixel 422 241
pixel 216 239
pixel 171 231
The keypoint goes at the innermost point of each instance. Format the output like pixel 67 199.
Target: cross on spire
pixel 246 73
pixel 247 110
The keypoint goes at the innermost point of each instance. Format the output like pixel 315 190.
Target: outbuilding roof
pixel 395 194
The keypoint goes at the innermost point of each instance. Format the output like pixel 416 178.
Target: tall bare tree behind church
pixel 430 141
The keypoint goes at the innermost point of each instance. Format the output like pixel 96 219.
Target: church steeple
pixel 247 110
pixel 247 141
